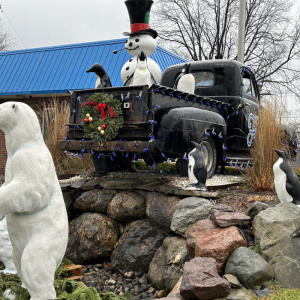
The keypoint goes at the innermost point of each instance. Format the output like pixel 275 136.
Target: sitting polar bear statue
pixel 6 250
pixel 32 201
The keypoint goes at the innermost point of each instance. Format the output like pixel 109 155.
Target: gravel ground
pixel 103 279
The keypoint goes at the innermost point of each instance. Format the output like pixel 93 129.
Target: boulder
pixel 256 208
pixel 239 294
pixel 277 234
pixel 69 200
pixel 127 206
pixel 94 201
pixel 199 229
pixel 190 210
pixel 225 216
pixel 166 266
pixel 137 246
pixel 248 267
pixel 219 244
pixel 200 280
pixel 92 237
pixel 160 208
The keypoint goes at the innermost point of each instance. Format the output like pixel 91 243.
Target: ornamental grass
pixel 56 116
pixel 269 136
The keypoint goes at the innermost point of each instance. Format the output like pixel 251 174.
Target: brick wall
pixel 37 104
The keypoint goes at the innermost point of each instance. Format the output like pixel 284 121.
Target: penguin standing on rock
pixel 103 79
pixel 185 82
pixel 286 182
pixel 141 75
pixel 197 169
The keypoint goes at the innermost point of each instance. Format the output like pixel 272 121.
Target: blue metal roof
pixel 62 68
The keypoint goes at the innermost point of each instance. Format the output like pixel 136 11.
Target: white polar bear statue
pixel 6 250
pixel 32 201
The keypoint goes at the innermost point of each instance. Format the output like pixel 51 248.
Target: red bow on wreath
pixel 101 107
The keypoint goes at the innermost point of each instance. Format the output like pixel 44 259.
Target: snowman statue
pixel 140 69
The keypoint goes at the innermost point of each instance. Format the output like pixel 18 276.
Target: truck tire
pixel 104 164
pixel 210 154
pixel 210 158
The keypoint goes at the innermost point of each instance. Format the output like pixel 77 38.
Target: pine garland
pixel 102 117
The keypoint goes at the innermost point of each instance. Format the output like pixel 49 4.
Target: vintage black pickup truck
pixel 160 122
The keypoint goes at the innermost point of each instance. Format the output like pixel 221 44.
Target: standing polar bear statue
pixel 32 201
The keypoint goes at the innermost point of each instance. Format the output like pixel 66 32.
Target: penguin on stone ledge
pixel 286 182
pixel 197 170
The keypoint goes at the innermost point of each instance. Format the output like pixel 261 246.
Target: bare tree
pixel 7 42
pixel 208 29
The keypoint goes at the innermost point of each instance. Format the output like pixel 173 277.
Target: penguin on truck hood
pixel 286 182
pixel 185 82
pixel 103 79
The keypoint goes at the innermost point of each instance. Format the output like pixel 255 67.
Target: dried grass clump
pixel 56 116
pixel 269 136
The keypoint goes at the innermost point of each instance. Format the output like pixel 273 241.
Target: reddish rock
pixel 200 280
pixel 219 244
pixel 225 216
pixel 199 229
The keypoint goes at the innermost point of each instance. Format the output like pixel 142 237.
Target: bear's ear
pixel 15 107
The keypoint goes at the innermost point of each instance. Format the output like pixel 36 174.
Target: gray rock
pixel 94 200
pixel 249 267
pixel 166 266
pixel 233 280
pixel 69 200
pixel 190 210
pixel 160 208
pixel 239 294
pixel 137 246
pixel 277 234
pixel 200 280
pixel 127 206
pixel 92 237
pixel 256 208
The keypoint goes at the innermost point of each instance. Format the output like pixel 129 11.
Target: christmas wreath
pixel 102 117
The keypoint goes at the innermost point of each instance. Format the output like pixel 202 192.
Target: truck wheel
pixel 104 164
pixel 210 155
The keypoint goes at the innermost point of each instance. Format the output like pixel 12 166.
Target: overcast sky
pixel 41 23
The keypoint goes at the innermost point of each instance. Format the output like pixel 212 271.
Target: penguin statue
pixel 185 82
pixel 286 182
pixel 103 79
pixel 141 75
pixel 197 170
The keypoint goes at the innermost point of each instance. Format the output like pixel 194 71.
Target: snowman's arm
pixel 26 193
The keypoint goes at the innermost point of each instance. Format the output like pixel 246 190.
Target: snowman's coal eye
pixel 126 42
pixel 137 40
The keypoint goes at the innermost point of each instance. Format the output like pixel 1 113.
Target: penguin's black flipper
pixel 293 188
pixel 100 71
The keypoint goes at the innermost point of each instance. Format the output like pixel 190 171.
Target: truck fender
pixel 177 127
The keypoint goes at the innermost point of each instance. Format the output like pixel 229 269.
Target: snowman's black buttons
pixel 127 68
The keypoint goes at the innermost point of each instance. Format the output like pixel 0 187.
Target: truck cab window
pixel 204 78
pixel 249 86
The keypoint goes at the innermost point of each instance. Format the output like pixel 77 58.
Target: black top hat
pixel 139 14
